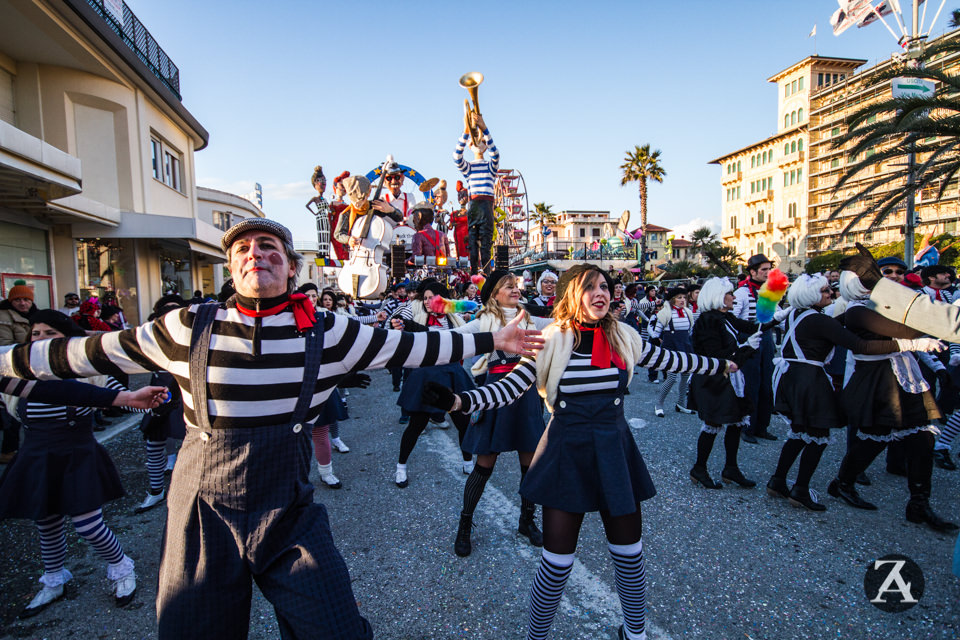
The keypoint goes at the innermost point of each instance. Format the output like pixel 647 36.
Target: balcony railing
pixel 136 36
pixel 566 250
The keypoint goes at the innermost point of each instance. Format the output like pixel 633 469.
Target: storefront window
pixel 23 253
pixel 175 270
pixel 109 266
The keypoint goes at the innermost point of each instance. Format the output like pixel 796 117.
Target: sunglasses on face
pixel 888 272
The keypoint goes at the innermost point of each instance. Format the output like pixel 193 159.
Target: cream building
pixel 763 185
pixel 831 106
pixel 97 179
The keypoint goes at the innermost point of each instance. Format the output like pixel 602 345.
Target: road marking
pixel 593 595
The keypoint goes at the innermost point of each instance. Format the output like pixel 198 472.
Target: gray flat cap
pixel 255 224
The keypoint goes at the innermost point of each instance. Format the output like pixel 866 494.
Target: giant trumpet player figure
pixel 480 176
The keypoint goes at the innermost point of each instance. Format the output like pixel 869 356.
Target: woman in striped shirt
pixel 587 459
pixel 61 470
pixel 673 325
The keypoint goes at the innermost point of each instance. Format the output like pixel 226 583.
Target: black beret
pixel 491 281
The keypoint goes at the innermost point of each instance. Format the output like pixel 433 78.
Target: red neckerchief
pixel 433 320
pixel 679 311
pixel 550 301
pixel 753 287
pixel 304 313
pixel 939 297
pixel 693 307
pixel 601 355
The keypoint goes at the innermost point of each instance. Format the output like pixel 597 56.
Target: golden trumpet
pixel 471 82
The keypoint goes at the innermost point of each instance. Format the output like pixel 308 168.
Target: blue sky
pixel 570 86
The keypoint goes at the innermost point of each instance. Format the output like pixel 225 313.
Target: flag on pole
pixel 813 32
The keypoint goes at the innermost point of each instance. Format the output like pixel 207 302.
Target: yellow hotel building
pixel 777 194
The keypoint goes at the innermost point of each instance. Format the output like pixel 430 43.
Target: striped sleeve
pixel 143 349
pixel 494 152
pixel 358 347
pixel 504 391
pixel 458 155
pixel 652 357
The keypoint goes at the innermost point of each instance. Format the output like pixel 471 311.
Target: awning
pixel 200 237
pixel 33 172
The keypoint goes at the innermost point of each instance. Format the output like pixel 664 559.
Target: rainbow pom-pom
pixel 440 305
pixel 770 294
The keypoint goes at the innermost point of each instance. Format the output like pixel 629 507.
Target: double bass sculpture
pixel 367 227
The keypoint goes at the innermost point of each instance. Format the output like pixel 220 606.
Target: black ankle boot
pixel 528 527
pixel 734 475
pixel 777 488
pixel 919 511
pixel 804 497
pixel 462 546
pixel 848 493
pixel 699 475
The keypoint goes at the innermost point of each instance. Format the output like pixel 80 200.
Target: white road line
pixel 591 593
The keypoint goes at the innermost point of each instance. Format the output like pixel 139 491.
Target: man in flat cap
pixel 240 505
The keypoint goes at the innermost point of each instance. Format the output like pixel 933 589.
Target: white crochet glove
pixel 920 344
pixel 754 340
pixel 954 359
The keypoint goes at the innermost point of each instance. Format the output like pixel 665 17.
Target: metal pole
pixel 910 222
pixel 908 236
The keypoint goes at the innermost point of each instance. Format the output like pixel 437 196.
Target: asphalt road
pixel 728 564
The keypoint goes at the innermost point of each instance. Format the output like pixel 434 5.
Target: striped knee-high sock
pixel 546 592
pixel 949 432
pixel 53 543
pixel 665 387
pixel 631 587
pixel 92 528
pixel 156 464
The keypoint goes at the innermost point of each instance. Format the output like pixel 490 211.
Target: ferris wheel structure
pixel 513 209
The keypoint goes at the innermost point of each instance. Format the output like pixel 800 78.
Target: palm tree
pixel 701 240
pixel 887 131
pixel 638 166
pixel 544 216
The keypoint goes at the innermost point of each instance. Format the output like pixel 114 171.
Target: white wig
pixel 805 291
pixel 545 275
pixel 851 288
pixel 712 293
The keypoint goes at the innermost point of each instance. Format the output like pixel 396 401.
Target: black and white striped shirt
pixel 579 381
pixel 581 378
pixel 255 369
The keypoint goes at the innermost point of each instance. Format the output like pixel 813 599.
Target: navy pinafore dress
pixel 587 459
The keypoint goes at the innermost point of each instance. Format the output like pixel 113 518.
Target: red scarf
pixel 433 320
pixel 601 355
pixel 304 313
pixel 693 307
pixel 753 287
pixel 679 311
pixel 550 301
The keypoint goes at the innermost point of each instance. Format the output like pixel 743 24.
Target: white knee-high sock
pixel 546 592
pixel 631 587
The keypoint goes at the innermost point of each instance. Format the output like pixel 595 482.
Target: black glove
pixel 864 266
pixel 437 395
pixel 357 380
